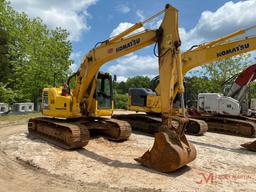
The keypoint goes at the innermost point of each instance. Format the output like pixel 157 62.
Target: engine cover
pixel 216 103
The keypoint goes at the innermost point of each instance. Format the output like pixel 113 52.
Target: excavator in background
pixel 234 100
pixel 148 100
pixel 230 112
pixel 70 116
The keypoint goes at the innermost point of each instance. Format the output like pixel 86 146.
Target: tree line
pixel 30 55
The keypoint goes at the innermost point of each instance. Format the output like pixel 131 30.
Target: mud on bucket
pixel 167 154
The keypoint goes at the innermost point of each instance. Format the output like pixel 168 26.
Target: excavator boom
pixel 224 50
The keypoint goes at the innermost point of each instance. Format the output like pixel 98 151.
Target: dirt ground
pixel 30 164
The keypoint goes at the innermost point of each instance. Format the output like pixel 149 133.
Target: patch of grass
pixel 14 119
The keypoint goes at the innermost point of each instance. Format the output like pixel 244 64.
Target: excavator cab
pixel 104 94
pixel 103 103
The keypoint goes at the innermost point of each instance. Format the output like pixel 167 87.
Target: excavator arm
pixel 168 40
pixel 170 66
pixel 200 56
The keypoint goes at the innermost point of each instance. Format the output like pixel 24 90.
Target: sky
pixel 92 21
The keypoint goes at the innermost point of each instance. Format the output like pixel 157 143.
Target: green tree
pixel 194 86
pixel 121 101
pixel 34 54
pixel 220 71
pixel 138 82
pixel 4 65
pixel 120 87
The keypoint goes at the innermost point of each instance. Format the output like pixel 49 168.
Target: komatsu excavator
pixel 147 100
pixel 70 118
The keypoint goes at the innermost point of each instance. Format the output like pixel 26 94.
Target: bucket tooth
pixel 171 151
pixel 250 146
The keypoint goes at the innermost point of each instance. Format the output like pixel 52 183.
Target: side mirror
pixel 115 78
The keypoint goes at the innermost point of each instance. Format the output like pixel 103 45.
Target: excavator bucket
pixel 250 146
pixel 170 151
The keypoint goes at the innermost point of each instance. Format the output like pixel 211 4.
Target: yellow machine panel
pixel 56 105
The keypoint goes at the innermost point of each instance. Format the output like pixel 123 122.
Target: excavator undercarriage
pixel 238 125
pixel 152 124
pixel 73 134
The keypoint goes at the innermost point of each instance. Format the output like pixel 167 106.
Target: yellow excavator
pixel 70 116
pixel 147 100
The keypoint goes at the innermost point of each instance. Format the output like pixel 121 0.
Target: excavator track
pixel 113 129
pixel 141 122
pixel 196 127
pixel 124 131
pixel 67 135
pixel 241 126
pixel 151 125
pixel 75 134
